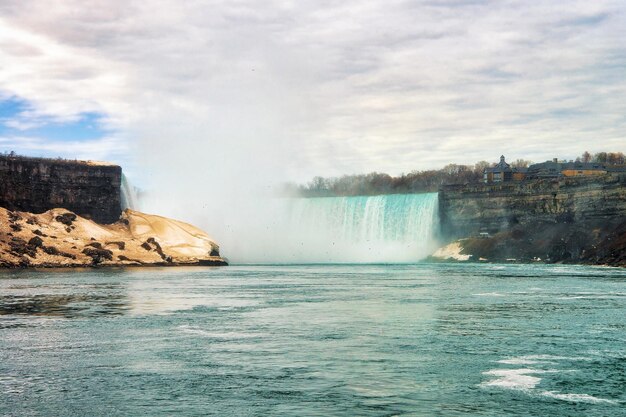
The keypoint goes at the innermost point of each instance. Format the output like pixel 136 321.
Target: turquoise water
pixel 343 340
pixel 366 229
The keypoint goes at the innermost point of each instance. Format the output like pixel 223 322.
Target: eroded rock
pixel 98 255
pixel 144 239
pixel 66 218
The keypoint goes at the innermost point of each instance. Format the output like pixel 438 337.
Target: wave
pixel 577 398
pixel 516 379
pixel 526 379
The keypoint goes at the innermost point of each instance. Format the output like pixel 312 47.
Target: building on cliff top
pixel 502 172
pixel 556 169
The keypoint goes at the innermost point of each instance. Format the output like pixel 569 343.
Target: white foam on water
pixel 526 379
pixel 555 358
pixel 591 296
pixel 217 335
pixel 577 398
pixel 490 294
pixel 516 379
pixel 539 359
pixel 521 361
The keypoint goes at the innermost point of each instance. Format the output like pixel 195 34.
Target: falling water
pixel 386 228
pixel 128 195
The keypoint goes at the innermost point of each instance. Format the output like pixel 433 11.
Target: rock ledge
pixel 59 238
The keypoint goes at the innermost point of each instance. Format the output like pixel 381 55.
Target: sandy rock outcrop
pixel 60 238
pixel 450 252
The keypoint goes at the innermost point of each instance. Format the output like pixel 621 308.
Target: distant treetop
pixel 421 181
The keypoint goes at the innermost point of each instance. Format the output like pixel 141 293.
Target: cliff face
pixel 468 210
pixel 567 220
pixel 36 185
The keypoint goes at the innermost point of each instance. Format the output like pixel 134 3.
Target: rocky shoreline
pixel 595 244
pixel 59 238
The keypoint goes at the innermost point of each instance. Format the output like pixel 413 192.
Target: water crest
pixel 384 228
pixel 128 194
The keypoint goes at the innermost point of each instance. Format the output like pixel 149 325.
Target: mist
pixel 222 171
pixel 218 172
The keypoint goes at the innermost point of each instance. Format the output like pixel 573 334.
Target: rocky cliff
pixel 60 238
pixel 35 185
pixel 565 220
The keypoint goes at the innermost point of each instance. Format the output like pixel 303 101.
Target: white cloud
pixel 323 87
pixel 60 80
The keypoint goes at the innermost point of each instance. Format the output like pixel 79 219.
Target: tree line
pixel 420 181
pixel 609 158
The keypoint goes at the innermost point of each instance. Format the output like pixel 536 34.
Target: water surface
pixel 324 340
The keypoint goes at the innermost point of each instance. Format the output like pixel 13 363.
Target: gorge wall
pixel 556 220
pixel 35 185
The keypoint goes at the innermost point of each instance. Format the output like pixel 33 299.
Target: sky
pixel 285 90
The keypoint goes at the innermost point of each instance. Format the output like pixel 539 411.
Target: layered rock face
pixel 35 185
pixel 60 238
pixel 567 220
pixel 470 209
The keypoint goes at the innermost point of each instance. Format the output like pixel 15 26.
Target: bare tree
pixel 479 167
pixel 521 163
pixel 586 157
pixel 615 158
pixel 600 157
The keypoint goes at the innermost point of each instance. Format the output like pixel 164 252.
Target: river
pixel 316 340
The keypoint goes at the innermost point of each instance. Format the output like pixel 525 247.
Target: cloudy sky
pixel 291 89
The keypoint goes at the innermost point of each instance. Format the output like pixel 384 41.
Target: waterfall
pixel 128 195
pixel 384 228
